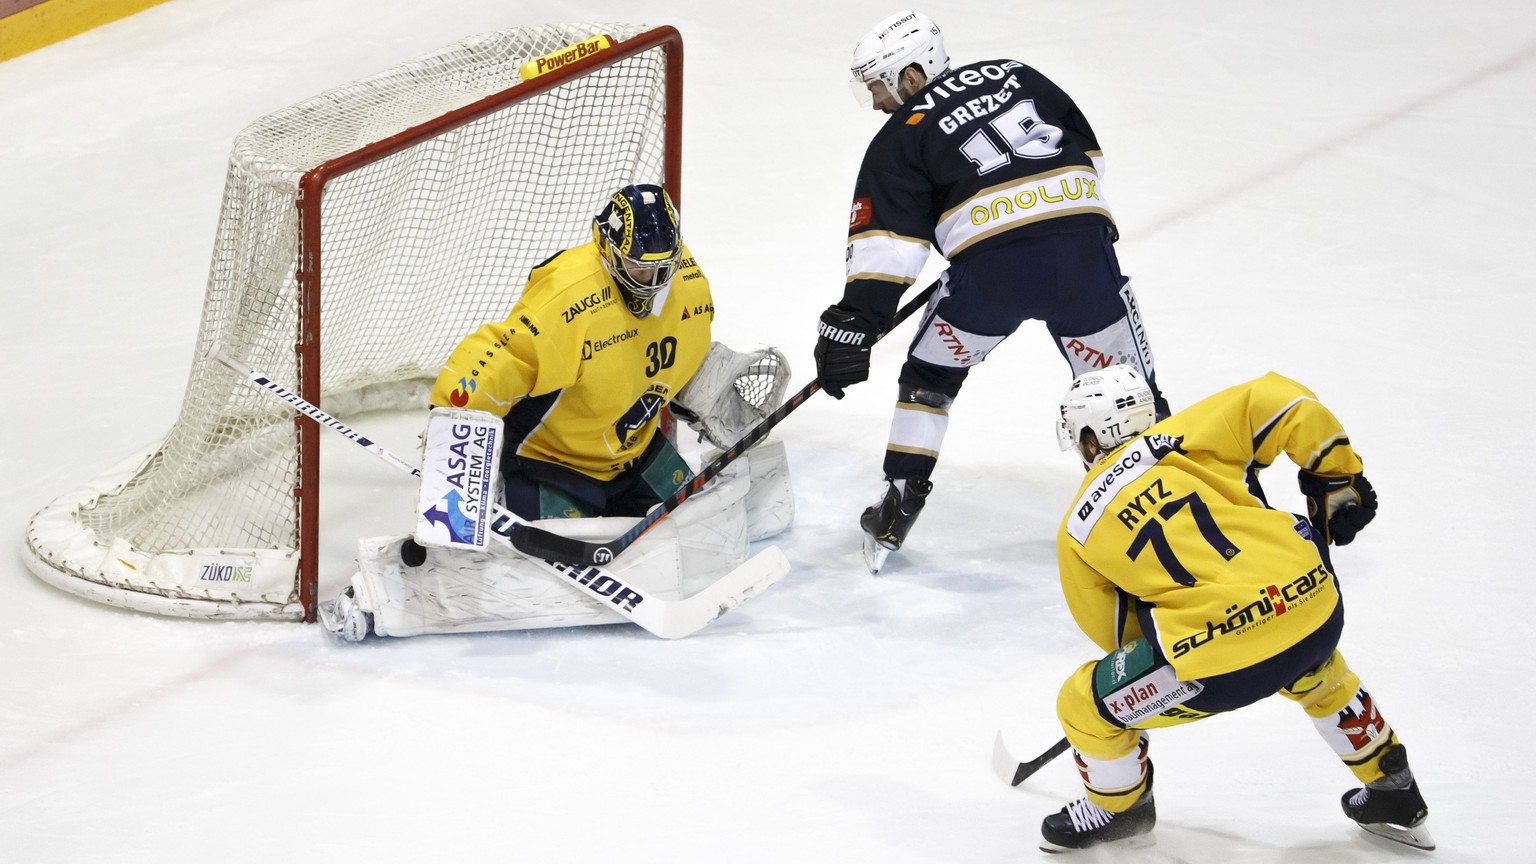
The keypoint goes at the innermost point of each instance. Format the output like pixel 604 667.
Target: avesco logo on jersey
pixel 1130 461
pixel 1274 601
pixel 1134 460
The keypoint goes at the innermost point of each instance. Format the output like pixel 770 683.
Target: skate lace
pixel 1360 797
pixel 1087 815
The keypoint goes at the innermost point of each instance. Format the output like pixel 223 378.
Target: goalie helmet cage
pixel 401 211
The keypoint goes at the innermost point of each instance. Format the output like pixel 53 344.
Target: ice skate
pixel 1083 824
pixel 345 618
pixel 887 522
pixel 1392 806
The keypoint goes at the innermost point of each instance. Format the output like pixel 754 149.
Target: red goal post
pixel 363 233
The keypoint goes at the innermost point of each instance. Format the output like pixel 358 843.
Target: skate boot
pixel 345 618
pixel 886 524
pixel 1083 823
pixel 1392 806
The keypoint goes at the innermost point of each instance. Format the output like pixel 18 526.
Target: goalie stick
pixel 1015 772
pixel 669 619
pixel 536 541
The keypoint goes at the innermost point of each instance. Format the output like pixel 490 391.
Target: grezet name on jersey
pixel 951 87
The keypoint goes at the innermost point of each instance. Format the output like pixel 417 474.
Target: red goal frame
pixel 310 272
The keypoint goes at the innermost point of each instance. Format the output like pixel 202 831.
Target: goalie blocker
pixel 459 476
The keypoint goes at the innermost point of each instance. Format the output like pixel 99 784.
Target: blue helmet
pixel 638 239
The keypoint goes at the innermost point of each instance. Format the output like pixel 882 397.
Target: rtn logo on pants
pixel 944 344
pixel 1091 356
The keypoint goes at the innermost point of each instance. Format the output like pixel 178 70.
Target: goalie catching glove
pixel 1338 506
pixel 732 392
pixel 844 337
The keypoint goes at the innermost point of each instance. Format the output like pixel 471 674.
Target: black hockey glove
pixel 1338 506
pixel 844 338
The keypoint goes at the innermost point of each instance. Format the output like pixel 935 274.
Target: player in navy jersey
pixel 996 168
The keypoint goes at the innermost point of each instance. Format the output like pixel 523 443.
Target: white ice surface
pixel 1336 191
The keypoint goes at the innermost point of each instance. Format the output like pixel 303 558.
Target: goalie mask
pixel 638 239
pixel 1115 403
pixel 899 41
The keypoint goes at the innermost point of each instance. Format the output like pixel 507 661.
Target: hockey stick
pixel 1015 772
pixel 533 540
pixel 669 619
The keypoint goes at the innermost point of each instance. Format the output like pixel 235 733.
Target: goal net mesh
pixel 417 248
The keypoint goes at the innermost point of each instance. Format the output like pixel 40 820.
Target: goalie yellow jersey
pixel 580 380
pixel 1176 519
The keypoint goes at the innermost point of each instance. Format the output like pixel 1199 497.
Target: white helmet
pixel 896 43
pixel 1116 403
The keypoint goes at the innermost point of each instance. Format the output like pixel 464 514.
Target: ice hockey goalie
pixel 452 582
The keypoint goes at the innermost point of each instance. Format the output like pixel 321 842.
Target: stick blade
pixel 751 578
pixel 1003 763
pixel 1015 772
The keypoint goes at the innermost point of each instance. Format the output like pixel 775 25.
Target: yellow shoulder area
pixel 1274 381
pixel 574 279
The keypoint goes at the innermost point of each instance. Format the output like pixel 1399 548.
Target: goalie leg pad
pixel 467 591
pixel 712 530
pixel 770 499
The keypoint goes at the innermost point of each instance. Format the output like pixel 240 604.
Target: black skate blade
pixel 1416 836
pixel 1140 841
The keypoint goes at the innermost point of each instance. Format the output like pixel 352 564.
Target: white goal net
pixel 363 232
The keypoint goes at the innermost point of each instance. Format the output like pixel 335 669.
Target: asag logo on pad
pixel 450 516
pixel 458 474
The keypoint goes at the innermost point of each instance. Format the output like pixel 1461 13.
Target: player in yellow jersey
pixel 1205 598
pixel 602 339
